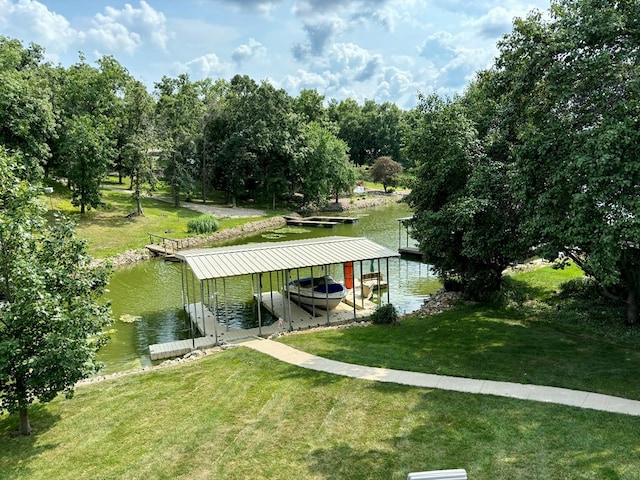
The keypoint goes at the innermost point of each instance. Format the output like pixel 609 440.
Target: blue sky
pixel 385 50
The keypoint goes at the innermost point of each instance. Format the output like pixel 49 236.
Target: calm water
pixel 146 297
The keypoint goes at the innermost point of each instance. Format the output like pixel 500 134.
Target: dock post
pixel 259 297
pixel 226 310
pixel 388 283
pixel 204 328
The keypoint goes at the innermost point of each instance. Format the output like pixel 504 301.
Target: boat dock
pixel 410 252
pixel 319 221
pixel 276 304
pixel 166 247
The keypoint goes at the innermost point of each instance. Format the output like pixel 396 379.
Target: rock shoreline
pixel 252 228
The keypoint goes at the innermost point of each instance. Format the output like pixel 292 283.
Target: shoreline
pixel 248 229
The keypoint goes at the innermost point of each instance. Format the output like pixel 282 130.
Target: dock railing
pixel 170 245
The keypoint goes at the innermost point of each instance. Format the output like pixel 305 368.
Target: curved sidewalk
pixel 561 396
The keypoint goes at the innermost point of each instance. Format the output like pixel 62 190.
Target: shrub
pixel 202 224
pixel 385 314
pixel 580 287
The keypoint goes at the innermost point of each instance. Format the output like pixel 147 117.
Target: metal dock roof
pixel 232 261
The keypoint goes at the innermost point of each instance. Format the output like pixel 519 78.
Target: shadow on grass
pixel 17 450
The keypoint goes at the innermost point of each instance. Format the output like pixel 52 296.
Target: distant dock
pixel 319 221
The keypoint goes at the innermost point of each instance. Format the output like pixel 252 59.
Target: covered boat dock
pixel 204 271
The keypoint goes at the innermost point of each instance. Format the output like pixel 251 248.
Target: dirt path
pixel 217 210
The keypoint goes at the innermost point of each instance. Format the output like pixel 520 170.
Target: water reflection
pixel 146 297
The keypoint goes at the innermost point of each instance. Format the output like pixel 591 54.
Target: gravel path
pixel 218 211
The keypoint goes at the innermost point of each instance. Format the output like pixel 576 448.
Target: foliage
pixel 87 143
pixel 325 168
pixel 203 224
pixel 385 315
pixel 370 131
pixel 387 171
pixel 27 120
pixel 466 216
pixel 139 151
pixel 51 319
pixel 178 111
pixel 568 85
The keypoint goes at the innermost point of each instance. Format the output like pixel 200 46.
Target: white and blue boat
pixel 319 292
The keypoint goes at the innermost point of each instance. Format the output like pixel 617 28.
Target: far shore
pixel 258 226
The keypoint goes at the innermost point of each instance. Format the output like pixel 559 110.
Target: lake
pixel 146 297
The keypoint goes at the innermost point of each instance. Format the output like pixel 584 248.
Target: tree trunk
pixel 25 427
pixel 139 204
pixel 632 306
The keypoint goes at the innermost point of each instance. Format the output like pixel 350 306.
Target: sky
pixel 382 50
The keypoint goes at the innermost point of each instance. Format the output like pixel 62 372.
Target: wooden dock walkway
pixel 166 247
pixel 319 221
pixel 275 303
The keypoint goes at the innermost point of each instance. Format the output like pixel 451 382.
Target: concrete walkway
pixel 561 396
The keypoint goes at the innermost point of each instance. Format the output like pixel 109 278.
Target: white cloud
pixel 115 37
pixel 305 80
pixel 495 23
pixel 252 49
pixel 44 26
pixel 131 26
pixel 208 65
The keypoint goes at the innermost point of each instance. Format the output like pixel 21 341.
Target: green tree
pixel 140 148
pixel 88 144
pixel 51 318
pixel 325 169
pixel 466 215
pixel 387 171
pixel 179 112
pixel 90 104
pixel 569 85
pixel 27 122
pixel 310 105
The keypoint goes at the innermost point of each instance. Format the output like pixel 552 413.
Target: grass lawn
pixel 110 232
pixel 523 343
pixel 239 414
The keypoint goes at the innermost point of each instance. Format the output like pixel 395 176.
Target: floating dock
pixel 319 221
pixel 412 252
pixel 208 327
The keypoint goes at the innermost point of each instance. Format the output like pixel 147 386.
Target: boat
pixel 319 292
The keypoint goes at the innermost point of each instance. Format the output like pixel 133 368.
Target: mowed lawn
pixel 109 231
pixel 530 342
pixel 240 415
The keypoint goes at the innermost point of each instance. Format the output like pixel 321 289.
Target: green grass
pixel 239 415
pixel 522 342
pixel 109 231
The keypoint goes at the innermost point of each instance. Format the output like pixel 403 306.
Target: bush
pixel 580 287
pixel 202 224
pixel 385 315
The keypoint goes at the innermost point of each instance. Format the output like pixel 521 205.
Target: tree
pixel 387 171
pixel 568 85
pixel 140 147
pixel 179 112
pixel 51 319
pixel 87 143
pixel 466 216
pixel 90 103
pixel 325 168
pixel 27 122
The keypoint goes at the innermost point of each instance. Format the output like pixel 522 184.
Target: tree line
pixel 237 136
